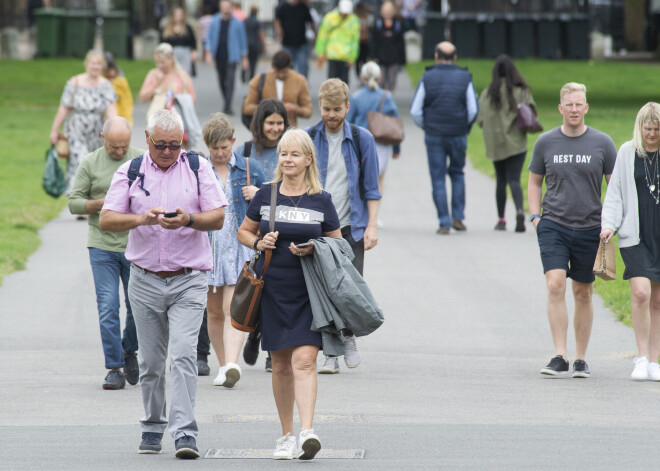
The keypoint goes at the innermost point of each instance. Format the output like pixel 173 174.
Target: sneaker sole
pixel 580 374
pixel 149 452
pixel 111 387
pixel 288 457
pixel 310 448
pixel 549 372
pixel 352 365
pixel 232 375
pixel 327 372
pixel 186 453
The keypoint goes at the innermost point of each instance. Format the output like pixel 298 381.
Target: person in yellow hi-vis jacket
pixel 338 40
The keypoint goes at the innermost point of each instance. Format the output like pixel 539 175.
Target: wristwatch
pixel 534 216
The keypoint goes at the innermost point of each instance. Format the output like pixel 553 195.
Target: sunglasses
pixel 165 146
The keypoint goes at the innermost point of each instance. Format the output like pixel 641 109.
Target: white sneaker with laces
pixel 351 355
pixel 285 448
pixel 641 370
pixel 330 366
pixel 654 371
pixel 221 378
pixel 232 375
pixel 309 444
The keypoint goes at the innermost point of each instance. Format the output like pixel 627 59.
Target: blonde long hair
pixel 168 30
pixel 649 113
pixel 299 139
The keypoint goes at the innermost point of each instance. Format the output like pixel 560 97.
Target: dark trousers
pixel 338 69
pixel 507 171
pixel 226 79
pixel 203 341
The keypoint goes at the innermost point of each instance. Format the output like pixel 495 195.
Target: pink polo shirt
pixel 155 248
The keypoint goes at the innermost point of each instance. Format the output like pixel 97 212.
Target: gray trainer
pixel 351 355
pixel 330 366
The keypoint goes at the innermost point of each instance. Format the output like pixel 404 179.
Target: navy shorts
pixel 567 249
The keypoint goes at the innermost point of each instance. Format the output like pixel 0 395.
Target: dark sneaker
pixel 150 443
pixel 203 366
pixel 115 379
pixel 269 364
pixel 557 366
pixel 458 225
pixel 251 349
pixel 131 368
pixel 580 369
pixel 500 226
pixel 186 448
pixel 520 222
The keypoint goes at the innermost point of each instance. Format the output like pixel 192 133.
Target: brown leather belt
pixel 165 274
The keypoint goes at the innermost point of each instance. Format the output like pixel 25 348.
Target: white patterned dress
pixel 229 255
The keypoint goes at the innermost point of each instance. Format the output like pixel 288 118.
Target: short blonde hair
pixel 649 113
pixel 217 129
pixel 571 87
pixel 299 139
pixel 334 91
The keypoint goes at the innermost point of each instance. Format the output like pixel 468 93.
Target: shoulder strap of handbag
pixel 247 168
pixel 382 101
pixel 271 224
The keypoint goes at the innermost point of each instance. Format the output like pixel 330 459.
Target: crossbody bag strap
pixel 271 224
pixel 247 167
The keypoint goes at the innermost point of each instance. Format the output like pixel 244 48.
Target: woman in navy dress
pixel 304 211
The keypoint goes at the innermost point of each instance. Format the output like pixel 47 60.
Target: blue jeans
pixel 438 149
pixel 300 57
pixel 107 268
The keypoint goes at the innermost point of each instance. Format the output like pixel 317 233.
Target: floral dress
pixel 84 122
pixel 228 255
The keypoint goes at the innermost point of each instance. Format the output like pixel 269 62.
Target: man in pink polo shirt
pixel 169 259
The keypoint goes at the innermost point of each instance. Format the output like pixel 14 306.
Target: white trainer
pixel 221 378
pixel 309 444
pixel 232 375
pixel 641 370
pixel 654 371
pixel 285 448
pixel 330 366
pixel 351 355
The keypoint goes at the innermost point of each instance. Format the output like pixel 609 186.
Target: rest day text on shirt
pixel 570 159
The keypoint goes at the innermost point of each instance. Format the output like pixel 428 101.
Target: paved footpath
pixel 450 381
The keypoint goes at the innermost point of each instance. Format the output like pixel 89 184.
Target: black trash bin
pixel 575 37
pixel 79 30
pixel 434 32
pixel 521 36
pixel 116 33
pixel 465 35
pixel 50 27
pixel 547 38
pixel 493 36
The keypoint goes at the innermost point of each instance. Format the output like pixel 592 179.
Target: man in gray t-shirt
pixel 573 159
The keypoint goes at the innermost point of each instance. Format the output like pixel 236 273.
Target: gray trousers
pixel 168 310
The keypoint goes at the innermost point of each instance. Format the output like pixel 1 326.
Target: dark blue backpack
pixel 136 163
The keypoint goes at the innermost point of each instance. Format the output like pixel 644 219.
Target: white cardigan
pixel 620 208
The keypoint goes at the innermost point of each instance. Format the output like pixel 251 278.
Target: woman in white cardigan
pixel 632 210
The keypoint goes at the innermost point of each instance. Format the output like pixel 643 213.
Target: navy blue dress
pixel 286 315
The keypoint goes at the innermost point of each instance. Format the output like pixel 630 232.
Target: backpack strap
pixel 262 79
pixel 358 149
pixel 312 133
pixel 134 173
pixel 193 162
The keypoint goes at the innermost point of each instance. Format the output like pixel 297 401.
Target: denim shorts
pixel 567 249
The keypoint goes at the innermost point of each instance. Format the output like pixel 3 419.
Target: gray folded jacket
pixel 339 296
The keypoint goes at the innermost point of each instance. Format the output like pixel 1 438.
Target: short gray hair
pixel 165 120
pixel 112 122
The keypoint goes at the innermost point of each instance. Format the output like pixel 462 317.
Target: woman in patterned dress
pixel 87 97
pixel 228 255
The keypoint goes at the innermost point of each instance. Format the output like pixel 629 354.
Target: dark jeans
pixel 203 340
pixel 226 79
pixel 300 57
pixel 507 171
pixel 338 69
pixel 439 149
pixel 109 269
pixel 252 59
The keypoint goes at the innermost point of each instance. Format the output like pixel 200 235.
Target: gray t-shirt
pixel 336 181
pixel 573 168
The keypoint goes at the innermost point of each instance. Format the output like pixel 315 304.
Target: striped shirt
pixel 153 247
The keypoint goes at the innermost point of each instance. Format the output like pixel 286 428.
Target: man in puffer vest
pixel 445 105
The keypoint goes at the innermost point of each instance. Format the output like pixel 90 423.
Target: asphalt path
pixel 450 381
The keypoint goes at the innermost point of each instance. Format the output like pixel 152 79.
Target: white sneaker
pixel 309 444
pixel 641 370
pixel 351 355
pixel 654 371
pixel 232 375
pixel 221 378
pixel 285 448
pixel 330 366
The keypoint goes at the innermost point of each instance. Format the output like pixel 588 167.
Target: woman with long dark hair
pixel 506 145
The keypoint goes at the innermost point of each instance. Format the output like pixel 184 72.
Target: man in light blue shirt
pixel 445 105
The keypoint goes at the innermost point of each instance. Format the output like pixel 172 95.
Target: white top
pixel 336 182
pixel 279 85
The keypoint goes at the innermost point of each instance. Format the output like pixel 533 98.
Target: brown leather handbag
pixel 386 129
pixel 246 301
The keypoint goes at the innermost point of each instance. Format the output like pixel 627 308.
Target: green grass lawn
pixel 29 97
pixel 615 92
